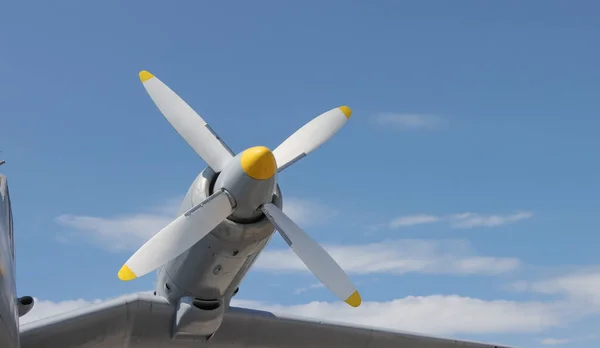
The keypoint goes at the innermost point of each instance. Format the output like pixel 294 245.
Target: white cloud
pixel 409 121
pixel 128 232
pixel 436 315
pixel 310 287
pixel 582 287
pixel 43 308
pixel 403 221
pixel 396 257
pixel 470 220
pixel 579 293
pixel 307 212
pixel 117 233
pixel 554 341
pixel 462 220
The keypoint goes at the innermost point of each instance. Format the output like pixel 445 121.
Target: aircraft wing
pixel 144 320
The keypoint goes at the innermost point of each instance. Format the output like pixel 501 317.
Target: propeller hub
pixel 258 163
pixel 250 179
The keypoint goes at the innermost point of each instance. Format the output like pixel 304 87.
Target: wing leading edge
pixel 144 320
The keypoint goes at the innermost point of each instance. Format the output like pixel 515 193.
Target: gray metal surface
pixel 214 267
pixel 249 193
pixel 9 332
pixel 146 321
pixel 197 319
pixel 25 305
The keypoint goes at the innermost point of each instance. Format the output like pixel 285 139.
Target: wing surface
pixel 141 320
pixel 253 328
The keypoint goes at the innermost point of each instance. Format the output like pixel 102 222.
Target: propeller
pixel 189 228
pixel 310 136
pixel 318 261
pixel 178 236
pixel 187 123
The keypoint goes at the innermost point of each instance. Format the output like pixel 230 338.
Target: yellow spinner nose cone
pixel 259 163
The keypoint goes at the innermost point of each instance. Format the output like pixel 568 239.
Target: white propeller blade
pixel 313 255
pixel 178 236
pixel 310 136
pixel 187 123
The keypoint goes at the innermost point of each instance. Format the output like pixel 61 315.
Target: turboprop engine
pixel 243 191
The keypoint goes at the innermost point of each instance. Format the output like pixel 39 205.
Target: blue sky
pixel 469 162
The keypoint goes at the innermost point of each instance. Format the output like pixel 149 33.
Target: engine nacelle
pixel 197 319
pixel 213 267
pixel 25 304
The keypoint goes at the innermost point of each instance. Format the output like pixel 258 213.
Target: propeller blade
pixel 178 236
pixel 196 132
pixel 310 136
pixel 318 261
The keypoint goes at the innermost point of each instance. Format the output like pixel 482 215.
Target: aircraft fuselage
pixel 9 315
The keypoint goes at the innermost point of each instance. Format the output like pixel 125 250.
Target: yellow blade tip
pixel 126 274
pixel 346 110
pixel 354 300
pixel 145 76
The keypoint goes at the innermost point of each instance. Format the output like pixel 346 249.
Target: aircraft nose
pixel 259 163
